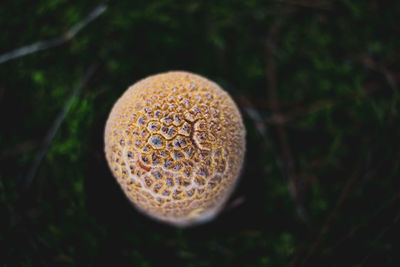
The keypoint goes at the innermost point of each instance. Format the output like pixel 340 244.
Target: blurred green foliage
pixel 337 72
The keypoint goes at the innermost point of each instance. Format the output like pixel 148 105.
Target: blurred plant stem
pixel 56 125
pixel 54 42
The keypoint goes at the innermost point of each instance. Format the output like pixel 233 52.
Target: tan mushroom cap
pixel 175 142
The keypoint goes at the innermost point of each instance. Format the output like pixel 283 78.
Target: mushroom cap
pixel 175 143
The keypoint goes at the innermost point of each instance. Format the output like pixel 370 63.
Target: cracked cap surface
pixel 175 143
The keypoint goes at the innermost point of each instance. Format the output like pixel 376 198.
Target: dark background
pixel 317 83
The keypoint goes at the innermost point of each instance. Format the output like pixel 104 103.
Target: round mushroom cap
pixel 175 143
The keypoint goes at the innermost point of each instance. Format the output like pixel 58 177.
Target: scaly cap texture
pixel 175 143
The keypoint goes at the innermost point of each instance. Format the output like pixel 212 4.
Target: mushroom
pixel 175 143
